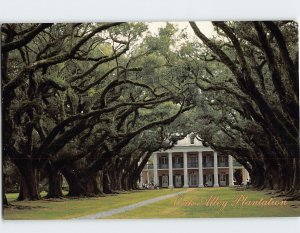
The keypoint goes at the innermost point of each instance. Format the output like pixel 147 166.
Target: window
pixel 222 159
pixel 193 179
pixel 208 158
pixel 192 161
pixel 209 161
pixel 192 140
pixel 178 159
pixel 178 162
pixel 222 177
pixel 163 160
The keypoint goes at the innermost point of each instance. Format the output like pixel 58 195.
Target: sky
pixel 206 27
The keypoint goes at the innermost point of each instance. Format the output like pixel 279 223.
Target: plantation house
pixel 190 164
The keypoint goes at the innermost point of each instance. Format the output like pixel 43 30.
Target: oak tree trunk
pixel 29 182
pixel 54 182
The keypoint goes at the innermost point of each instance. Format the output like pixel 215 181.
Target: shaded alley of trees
pixel 87 102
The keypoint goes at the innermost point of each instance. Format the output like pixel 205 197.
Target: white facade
pixel 190 164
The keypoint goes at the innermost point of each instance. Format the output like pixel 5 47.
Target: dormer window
pixel 192 140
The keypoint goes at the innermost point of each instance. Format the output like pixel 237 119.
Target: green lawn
pixel 196 204
pixel 14 196
pixel 71 208
pixel 193 204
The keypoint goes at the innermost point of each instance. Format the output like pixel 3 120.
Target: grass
pixel 190 205
pixel 196 204
pixel 71 208
pixel 14 196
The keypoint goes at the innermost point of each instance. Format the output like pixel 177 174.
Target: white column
pixel 141 175
pixel 200 169
pixel 243 175
pixel 247 175
pixel 230 163
pixel 216 182
pixel 155 173
pixel 148 180
pixel 170 170
pixel 141 180
pixel 185 171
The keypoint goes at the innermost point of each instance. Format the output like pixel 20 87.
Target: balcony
pixel 177 165
pixel 148 166
pixel 236 164
pixel 223 164
pixel 208 164
pixel 163 166
pixel 193 165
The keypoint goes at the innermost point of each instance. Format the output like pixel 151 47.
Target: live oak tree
pixel 91 102
pixel 66 85
pixel 249 80
pixel 123 126
pixel 34 128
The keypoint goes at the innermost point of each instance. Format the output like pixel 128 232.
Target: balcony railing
pixel 223 164
pixel 192 165
pixel 163 166
pixel 148 166
pixel 208 164
pixel 177 165
pixel 236 163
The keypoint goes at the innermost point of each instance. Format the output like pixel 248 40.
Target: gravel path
pixel 130 207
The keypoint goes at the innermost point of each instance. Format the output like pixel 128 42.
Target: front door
pixel 222 179
pixel 209 180
pixel 165 181
pixel 193 179
pixel 178 181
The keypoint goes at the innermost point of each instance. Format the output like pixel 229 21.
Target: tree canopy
pixel 89 101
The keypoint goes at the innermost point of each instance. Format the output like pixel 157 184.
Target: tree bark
pixel 54 182
pixel 83 184
pixel 106 183
pixel 29 182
